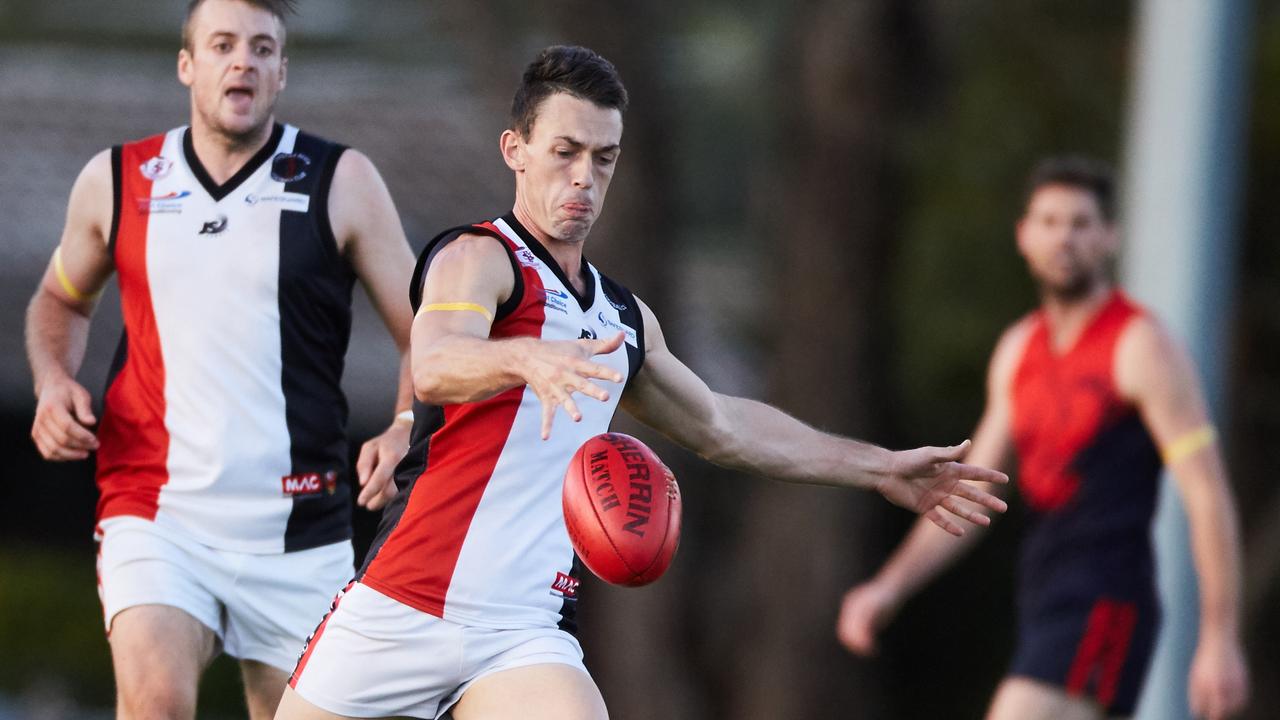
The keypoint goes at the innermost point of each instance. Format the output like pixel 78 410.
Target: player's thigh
pixel 158 653
pixel 548 691
pixel 294 707
pixel 1020 698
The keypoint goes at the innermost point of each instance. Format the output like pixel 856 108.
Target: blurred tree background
pixel 816 197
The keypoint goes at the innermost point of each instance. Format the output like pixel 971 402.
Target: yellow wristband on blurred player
pixel 458 307
pixel 1189 444
pixel 67 286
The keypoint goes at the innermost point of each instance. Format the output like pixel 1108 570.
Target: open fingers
pixel 974 473
pixel 588 369
pixel 980 496
pixel 604 346
pixel 937 517
pixel 965 511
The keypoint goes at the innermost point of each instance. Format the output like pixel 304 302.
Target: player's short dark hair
pixel 279 8
pixel 579 71
pixel 1076 171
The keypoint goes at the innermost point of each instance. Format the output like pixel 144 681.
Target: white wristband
pixel 405 416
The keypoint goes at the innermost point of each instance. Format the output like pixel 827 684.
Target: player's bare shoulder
pixel 360 205
pixel 91 205
pixel 1147 356
pixel 1009 349
pixel 471 260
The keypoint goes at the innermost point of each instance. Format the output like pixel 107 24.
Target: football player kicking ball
pixel 466 600
pixel 224 518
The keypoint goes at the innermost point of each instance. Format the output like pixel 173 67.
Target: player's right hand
pixel 64 415
pixel 865 611
pixel 556 369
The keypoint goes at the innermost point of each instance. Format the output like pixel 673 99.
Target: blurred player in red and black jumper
pixel 224 516
pixel 1093 397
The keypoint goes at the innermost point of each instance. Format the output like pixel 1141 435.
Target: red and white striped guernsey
pixel 223 416
pixel 479 537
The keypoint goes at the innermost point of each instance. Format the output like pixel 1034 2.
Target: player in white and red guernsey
pixel 224 510
pixel 465 602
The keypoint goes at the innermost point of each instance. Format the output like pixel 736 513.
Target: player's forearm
pixel 756 437
pixel 926 552
pixel 1216 551
pixel 56 338
pixel 461 368
pixel 404 387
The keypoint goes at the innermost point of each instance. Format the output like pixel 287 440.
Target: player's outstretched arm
pixel 869 606
pixel 453 359
pixel 58 316
pixel 1156 374
pixel 752 436
pixel 367 228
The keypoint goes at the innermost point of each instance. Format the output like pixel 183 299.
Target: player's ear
pixel 185 74
pixel 513 150
pixel 284 71
pixel 1019 233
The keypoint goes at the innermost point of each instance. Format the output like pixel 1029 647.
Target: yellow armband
pixel 67 286
pixel 1188 444
pixel 456 307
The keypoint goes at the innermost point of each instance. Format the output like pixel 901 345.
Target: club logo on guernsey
pixel 163 204
pixel 526 257
pixel 565 586
pixel 310 483
pixel 288 167
pixel 155 168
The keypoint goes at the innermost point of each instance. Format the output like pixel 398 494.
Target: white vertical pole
pixel 1183 169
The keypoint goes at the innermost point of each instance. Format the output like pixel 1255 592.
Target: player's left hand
pixel 928 480
pixel 375 468
pixel 1218 686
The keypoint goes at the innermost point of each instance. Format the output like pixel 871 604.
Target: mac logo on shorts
pixel 565 586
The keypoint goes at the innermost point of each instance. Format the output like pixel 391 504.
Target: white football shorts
pixel 260 606
pixel 373 656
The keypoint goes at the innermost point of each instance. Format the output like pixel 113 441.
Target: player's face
pixel 1065 240
pixel 235 67
pixel 564 167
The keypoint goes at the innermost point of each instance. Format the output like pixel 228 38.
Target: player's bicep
pixel 1155 372
pixel 368 230
pixel 81 264
pixel 462 288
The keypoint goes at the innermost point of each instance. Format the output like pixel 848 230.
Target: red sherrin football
pixel 622 509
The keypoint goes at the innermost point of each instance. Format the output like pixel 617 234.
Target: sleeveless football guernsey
pixel 477 534
pixel 223 416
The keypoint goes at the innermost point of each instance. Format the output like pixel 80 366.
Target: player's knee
pixel 156 697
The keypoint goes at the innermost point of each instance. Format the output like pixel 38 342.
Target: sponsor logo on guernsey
pixel 616 326
pixel 616 306
pixel 565 586
pixel 215 226
pixel 291 200
pixel 555 299
pixel 312 483
pixel 161 204
pixel 526 257
pixel 155 168
pixel 288 167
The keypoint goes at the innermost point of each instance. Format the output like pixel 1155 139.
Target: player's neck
pixel 568 255
pixel 223 155
pixel 1068 317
